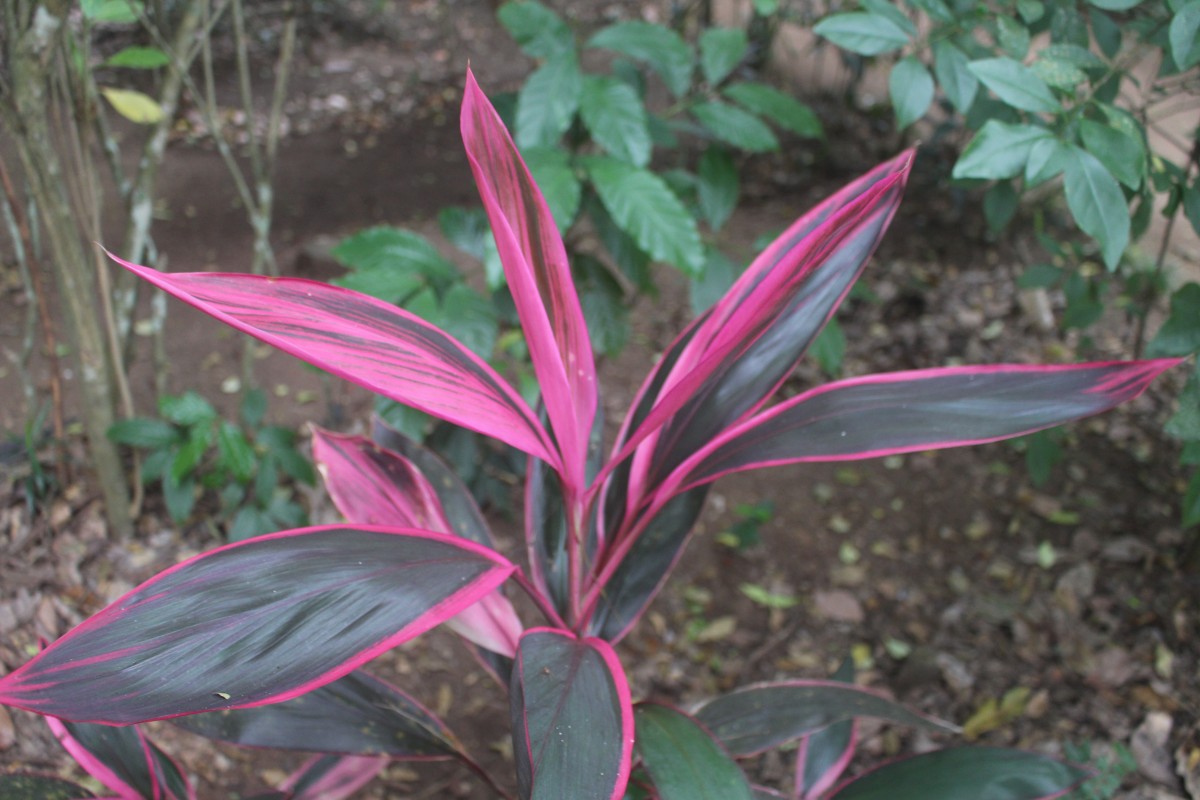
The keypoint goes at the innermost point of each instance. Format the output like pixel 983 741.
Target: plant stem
pixel 540 600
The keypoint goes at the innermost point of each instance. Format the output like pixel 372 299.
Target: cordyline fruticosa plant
pixel 270 633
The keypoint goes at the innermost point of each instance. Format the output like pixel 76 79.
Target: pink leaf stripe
pixel 902 412
pixel 255 622
pixel 367 341
pixel 97 768
pixel 535 264
pixel 332 778
pixel 372 485
pixel 572 718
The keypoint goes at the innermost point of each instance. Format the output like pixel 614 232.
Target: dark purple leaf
pixel 981 773
pixel 684 760
pixel 823 756
pixel 255 622
pixel 332 777
pixel 367 341
pixel 572 718
pixel 354 715
pixel 902 412
pixel 758 717
pixel 122 759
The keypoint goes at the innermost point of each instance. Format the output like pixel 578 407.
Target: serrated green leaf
pixel 138 58
pixel 1098 205
pixel 911 89
pixel 554 174
pixel 862 33
pixel 397 254
pixel 642 205
pixel 1012 36
pixel 547 102
pixel 1182 34
pixel 235 451
pixel 659 47
pixel 1015 84
pixel 604 306
pixel 1121 155
pixel 778 107
pixel 539 31
pixel 391 285
pixel 998 151
pixel 957 81
pixel 469 317
pixel 718 186
pixel 734 126
pixel 616 118
pixel 113 11
pixel 1180 334
pixel 136 107
pixel 721 49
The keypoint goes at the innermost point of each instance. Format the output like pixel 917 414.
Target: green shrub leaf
pixel 782 109
pixel 721 49
pixel 1180 334
pixel 998 151
pixel 548 101
pixel 115 11
pixel 717 186
pixel 1120 154
pixel 734 126
pixel 616 118
pixel 555 176
pixel 1098 205
pixel 1047 159
pixel 539 31
pixel 958 82
pixel 661 48
pixel 1182 33
pixel 138 58
pixel 911 88
pixel 1015 84
pixel 862 33
pixel 144 433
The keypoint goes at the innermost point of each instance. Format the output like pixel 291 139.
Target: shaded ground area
pixel 1038 616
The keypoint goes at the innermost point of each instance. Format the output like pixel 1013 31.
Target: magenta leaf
pixel 367 341
pixel 992 773
pixel 755 718
pixel 255 622
pixel 123 759
pixel 375 486
pixel 572 718
pixel 355 715
pixel 32 786
pixel 535 264
pixel 684 760
pixel 902 412
pixel 332 777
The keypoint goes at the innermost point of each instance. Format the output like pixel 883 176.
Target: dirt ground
pixel 1038 616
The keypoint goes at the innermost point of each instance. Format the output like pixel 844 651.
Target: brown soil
pixel 951 577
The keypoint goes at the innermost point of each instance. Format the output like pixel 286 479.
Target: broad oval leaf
pixel 1098 204
pixel 138 58
pixel 1182 35
pixel 684 760
pixel 993 773
pixel 902 412
pixel 535 264
pixel 122 759
pixel 355 715
pixel 662 48
pixel 372 343
pixel 999 150
pixel 863 33
pixel 255 622
pixel 911 89
pixel 133 106
pixel 572 718
pixel 1015 84
pixel 950 66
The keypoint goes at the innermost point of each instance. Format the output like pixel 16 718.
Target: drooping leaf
pixel 23 786
pixel 255 622
pixel 1047 159
pixel 134 106
pixel 911 89
pixel 355 715
pixel 956 80
pixel 138 58
pixel 1119 153
pixel 993 773
pixel 1015 84
pixel 755 718
pixel 372 343
pixel 539 31
pixel 658 46
pixel 535 263
pixel 718 186
pixel 1098 204
pixel 721 49
pixel 572 718
pixel 548 101
pixel 642 205
pixel 782 109
pixel 734 126
pixel 614 114
pixel 122 759
pixel 999 150
pixel 867 34
pixel 684 761
pixel 921 410
pixel 823 756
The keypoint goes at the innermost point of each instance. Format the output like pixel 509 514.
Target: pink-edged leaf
pixel 535 264
pixel 572 718
pixel 375 486
pixel 367 341
pixel 332 777
pixel 823 756
pixel 255 622
pixel 124 760
pixel 683 759
pixel 34 786
pixel 981 773
pixel 357 714
pixel 765 793
pixel 743 350
pixel 902 412
pixel 755 718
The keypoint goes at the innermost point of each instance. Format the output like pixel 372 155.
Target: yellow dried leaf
pixel 133 106
pixel 983 720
